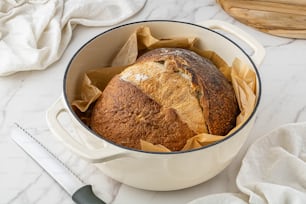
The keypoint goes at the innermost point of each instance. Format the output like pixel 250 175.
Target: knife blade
pixel 80 192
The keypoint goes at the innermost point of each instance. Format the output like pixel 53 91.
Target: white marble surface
pixel 25 97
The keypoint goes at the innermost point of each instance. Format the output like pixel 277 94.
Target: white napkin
pixel 272 172
pixel 35 33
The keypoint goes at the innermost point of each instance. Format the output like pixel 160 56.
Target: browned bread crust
pixel 125 115
pixel 137 108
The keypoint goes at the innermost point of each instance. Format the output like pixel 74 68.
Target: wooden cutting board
pixel 285 18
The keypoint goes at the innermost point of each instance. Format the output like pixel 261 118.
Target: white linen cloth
pixel 273 170
pixel 35 33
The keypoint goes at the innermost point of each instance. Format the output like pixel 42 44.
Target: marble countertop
pixel 26 96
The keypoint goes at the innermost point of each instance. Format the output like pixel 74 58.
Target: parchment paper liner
pixel 242 77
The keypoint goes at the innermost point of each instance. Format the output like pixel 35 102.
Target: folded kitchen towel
pixel 35 33
pixel 273 170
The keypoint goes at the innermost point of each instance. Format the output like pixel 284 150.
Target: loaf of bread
pixel 168 96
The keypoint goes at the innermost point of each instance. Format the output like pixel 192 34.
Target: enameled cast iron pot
pixel 146 170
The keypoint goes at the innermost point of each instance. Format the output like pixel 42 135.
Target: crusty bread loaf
pixel 166 97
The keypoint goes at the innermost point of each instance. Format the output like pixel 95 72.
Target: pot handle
pixel 93 155
pixel 259 50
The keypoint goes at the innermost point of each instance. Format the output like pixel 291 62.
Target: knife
pixel 69 181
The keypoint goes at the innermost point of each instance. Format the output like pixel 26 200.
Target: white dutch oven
pixel 146 170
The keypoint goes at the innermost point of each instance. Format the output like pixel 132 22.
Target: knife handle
pixel 85 195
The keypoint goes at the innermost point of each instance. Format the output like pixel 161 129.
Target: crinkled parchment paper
pixel 242 77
